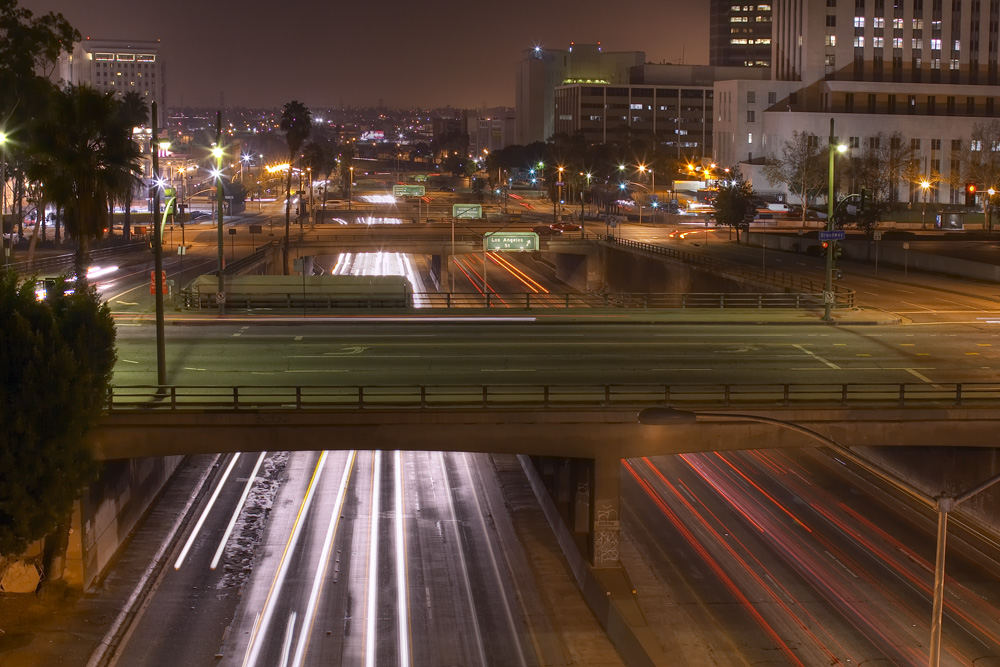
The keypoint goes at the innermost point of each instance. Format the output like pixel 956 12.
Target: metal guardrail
pixel 707 396
pixel 844 297
pixel 54 263
pixel 508 300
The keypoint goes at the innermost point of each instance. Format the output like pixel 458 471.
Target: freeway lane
pixel 399 353
pixel 786 553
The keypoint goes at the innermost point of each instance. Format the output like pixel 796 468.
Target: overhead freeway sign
pixel 408 190
pixel 510 241
pixel 468 211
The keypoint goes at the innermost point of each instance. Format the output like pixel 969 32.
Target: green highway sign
pixel 467 211
pixel 509 241
pixel 408 191
pixel 420 178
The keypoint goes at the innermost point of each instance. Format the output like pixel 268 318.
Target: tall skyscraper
pixel 739 34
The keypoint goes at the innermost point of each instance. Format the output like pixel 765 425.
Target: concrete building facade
pixel 541 70
pixel 490 129
pixel 739 34
pixel 119 66
pixel 924 68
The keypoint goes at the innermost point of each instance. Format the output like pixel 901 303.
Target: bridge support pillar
pixel 605 513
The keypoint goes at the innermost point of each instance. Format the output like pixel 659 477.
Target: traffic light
pixel 825 244
pixel 970 194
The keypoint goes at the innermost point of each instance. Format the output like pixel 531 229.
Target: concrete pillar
pixel 606 513
pixel 595 268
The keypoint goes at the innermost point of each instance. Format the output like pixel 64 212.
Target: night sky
pixel 402 52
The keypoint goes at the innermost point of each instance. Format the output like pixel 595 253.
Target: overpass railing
pixel 844 297
pixel 706 396
pixel 194 298
pixel 57 263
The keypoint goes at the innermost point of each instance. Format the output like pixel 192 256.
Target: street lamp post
pixel 828 296
pixel 8 244
pixel 350 187
pixel 161 360
pixel 217 154
pixel 925 185
pixel 559 185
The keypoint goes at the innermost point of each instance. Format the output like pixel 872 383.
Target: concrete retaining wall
pixel 112 506
pixel 946 471
pixel 890 253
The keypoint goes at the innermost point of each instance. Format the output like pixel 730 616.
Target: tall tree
pixel 734 203
pixel 56 361
pixel 802 168
pixel 296 123
pixel 84 157
pixel 134 113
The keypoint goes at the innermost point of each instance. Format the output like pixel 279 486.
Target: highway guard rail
pixel 55 263
pixel 704 396
pixel 843 297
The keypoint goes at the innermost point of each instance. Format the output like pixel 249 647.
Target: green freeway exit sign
pixel 510 241
pixel 468 211
pixel 409 190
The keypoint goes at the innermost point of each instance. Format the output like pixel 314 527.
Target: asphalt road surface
pixel 379 353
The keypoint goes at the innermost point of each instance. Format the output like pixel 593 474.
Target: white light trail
pixel 253 648
pixel 236 512
pixel 402 594
pixel 204 513
pixel 462 563
pixel 378 199
pixel 317 588
pixel 372 595
pixel 286 645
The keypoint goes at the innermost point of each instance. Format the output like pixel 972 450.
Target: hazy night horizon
pixel 403 54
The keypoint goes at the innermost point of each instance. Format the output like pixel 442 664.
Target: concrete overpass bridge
pixel 587 430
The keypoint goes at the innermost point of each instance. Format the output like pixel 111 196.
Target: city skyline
pixel 457 56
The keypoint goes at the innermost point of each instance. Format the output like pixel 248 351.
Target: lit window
pixel 859 41
pixel 859 21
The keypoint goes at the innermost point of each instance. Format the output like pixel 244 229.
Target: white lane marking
pixel 491 550
pixel 297 338
pixel 662 370
pixel 461 557
pixel 204 513
pixel 260 628
pixel 921 377
pixel 816 356
pixel 320 370
pixel 236 512
pixel 507 370
pixel 286 645
pixel 371 602
pixel 128 361
pixel 189 368
pixel 127 303
pixel 402 592
pixel 327 550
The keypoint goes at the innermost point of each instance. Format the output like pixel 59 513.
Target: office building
pixel 739 34
pixel 924 68
pixel 490 129
pixel 117 65
pixel 541 70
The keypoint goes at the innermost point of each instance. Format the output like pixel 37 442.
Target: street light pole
pixel 828 289
pixel 161 358
pixel 219 196
pixel 8 244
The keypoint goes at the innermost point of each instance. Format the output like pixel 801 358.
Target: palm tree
pixel 296 123
pixel 133 113
pixel 85 155
pixel 320 155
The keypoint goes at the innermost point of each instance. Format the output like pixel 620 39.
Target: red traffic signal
pixel 825 244
pixel 971 188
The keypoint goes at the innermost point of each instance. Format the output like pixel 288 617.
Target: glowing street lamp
pixel 3 197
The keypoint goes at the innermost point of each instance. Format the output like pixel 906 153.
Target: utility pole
pixel 220 295
pixel 828 289
pixel 161 358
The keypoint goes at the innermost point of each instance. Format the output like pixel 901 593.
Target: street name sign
pixel 467 211
pixel 833 235
pixel 408 191
pixel 510 241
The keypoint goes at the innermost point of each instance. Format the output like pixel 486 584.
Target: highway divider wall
pixel 890 253
pixel 111 508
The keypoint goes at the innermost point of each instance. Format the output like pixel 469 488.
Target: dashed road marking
pixel 189 368
pixel 816 356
